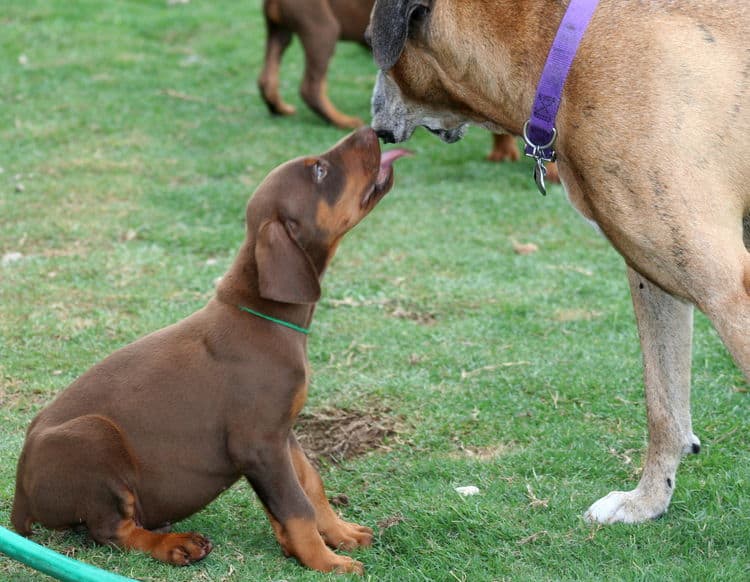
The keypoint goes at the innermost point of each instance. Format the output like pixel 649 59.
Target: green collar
pixel 279 321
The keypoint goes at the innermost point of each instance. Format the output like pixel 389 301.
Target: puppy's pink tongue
pixel 386 161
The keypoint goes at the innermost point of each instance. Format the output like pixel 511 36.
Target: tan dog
pixel 161 427
pixel 654 131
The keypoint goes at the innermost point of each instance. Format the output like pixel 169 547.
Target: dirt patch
pixel 393 307
pixel 413 313
pixel 336 434
pixel 391 521
pixel 489 453
pixel 566 315
pixel 14 395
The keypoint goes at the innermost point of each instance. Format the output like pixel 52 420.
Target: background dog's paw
pixel 504 148
pixel 626 507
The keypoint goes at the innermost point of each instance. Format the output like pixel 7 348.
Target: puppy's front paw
pixel 347 536
pixel 346 565
pixel 626 507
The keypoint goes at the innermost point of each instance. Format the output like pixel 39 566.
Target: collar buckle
pixel 540 153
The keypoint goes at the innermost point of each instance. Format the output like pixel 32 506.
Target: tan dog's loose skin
pixel 654 131
pixel 161 427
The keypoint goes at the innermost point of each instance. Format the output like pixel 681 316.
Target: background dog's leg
pixel 271 473
pixel 665 327
pixel 278 38
pixel 336 532
pixel 319 38
pixel 503 148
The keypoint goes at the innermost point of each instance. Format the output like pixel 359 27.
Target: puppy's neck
pixel 239 287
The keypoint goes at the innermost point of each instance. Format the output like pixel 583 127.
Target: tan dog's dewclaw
pixel 161 427
pixel 653 133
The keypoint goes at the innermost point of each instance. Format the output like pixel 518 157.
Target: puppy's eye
pixel 292 226
pixel 319 170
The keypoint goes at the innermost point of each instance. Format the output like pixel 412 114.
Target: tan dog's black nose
pixel 386 135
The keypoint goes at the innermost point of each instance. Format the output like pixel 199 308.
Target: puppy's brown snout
pixel 367 137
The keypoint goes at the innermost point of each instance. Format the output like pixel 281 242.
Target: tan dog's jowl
pixel 161 427
pixel 654 130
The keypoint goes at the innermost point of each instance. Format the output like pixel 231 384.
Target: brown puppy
pixel 161 427
pixel 652 139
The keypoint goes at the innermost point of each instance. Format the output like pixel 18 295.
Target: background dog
pixel 161 427
pixel 652 135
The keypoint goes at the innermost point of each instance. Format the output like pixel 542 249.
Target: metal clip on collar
pixel 540 153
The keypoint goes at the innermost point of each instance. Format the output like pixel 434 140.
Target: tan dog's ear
pixel 389 27
pixel 285 271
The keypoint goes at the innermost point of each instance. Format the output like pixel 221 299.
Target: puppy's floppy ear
pixel 285 271
pixel 389 27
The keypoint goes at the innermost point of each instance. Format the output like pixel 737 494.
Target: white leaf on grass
pixel 9 258
pixel 524 248
pixel 467 490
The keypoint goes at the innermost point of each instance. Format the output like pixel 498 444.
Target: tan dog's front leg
pixel 665 327
pixel 336 532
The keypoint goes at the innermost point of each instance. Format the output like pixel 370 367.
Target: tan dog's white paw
pixel 693 447
pixel 626 507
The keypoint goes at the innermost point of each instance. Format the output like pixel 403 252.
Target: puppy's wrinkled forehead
pixel 301 184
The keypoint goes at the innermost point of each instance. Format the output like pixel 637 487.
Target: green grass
pixel 126 200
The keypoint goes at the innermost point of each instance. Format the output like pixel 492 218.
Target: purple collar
pixel 539 131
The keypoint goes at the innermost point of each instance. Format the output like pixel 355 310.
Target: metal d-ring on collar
pixel 541 153
pixel 539 131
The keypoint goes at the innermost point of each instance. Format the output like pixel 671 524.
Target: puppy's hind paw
pixel 183 549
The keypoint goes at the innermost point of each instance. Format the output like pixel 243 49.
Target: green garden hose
pixel 52 563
